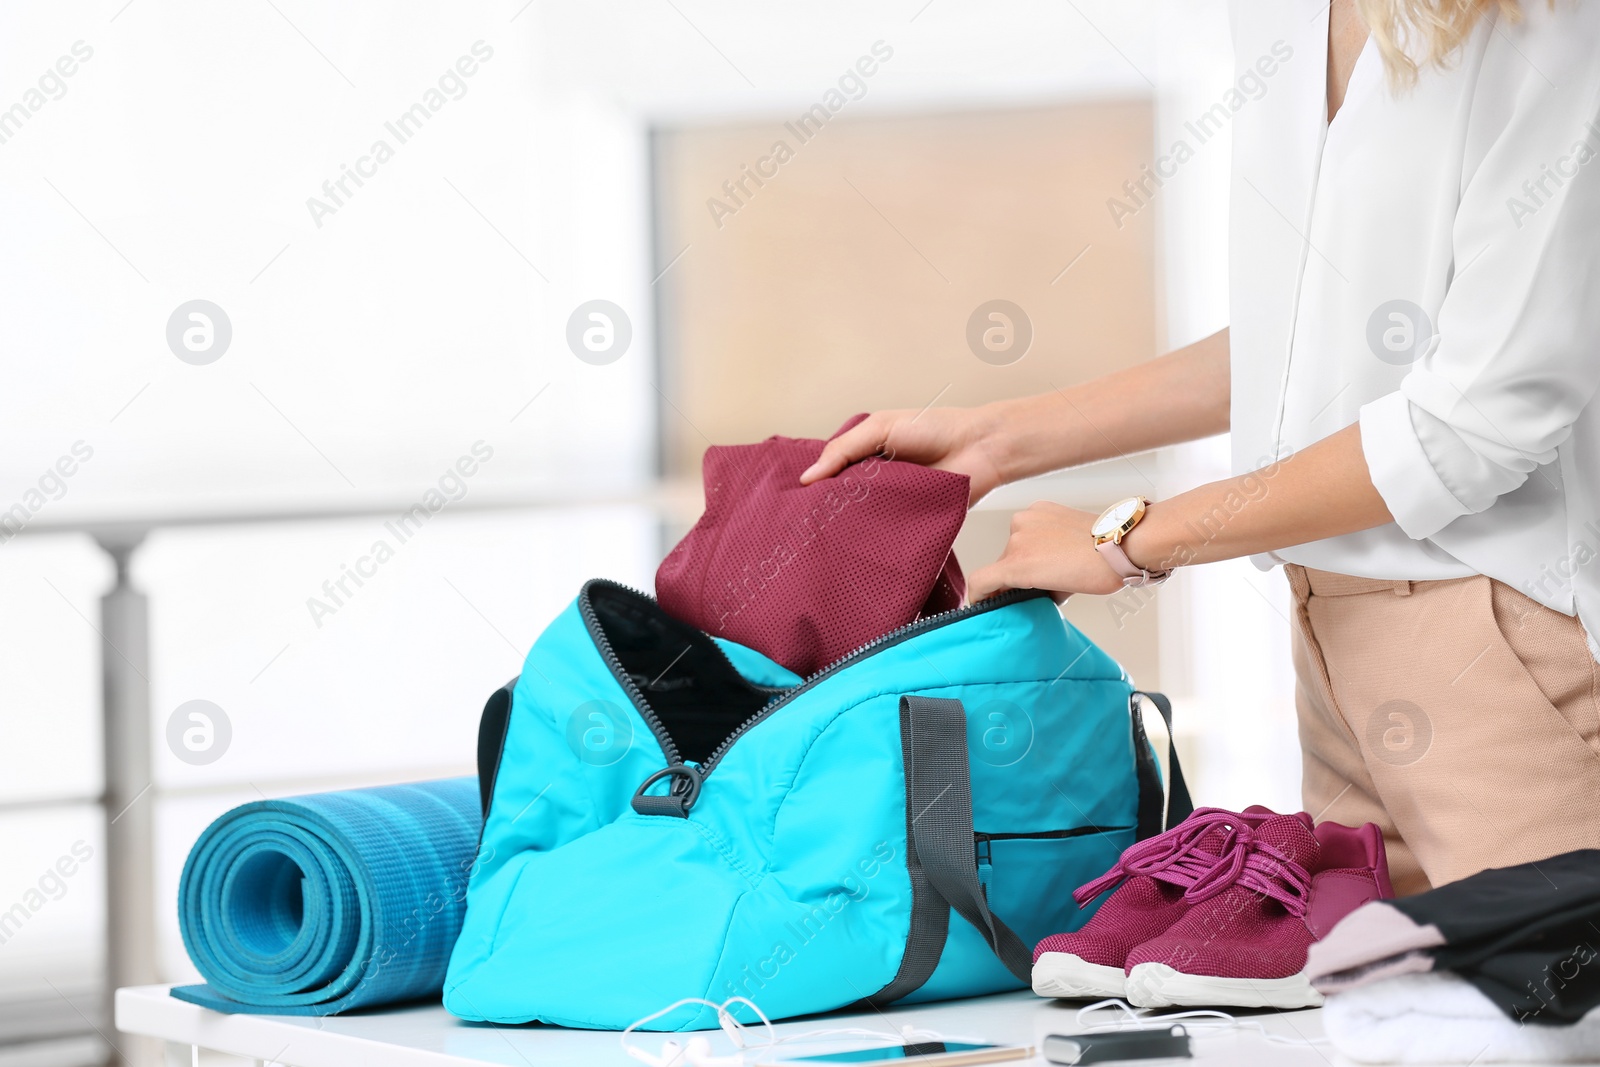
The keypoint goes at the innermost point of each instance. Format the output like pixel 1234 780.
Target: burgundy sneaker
pixel 1155 874
pixel 1243 944
pixel 1352 870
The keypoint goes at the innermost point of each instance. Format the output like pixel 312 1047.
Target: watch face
pixel 1114 517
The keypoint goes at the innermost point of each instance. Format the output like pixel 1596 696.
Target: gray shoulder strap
pixel 939 788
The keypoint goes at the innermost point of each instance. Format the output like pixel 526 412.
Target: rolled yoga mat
pixel 318 904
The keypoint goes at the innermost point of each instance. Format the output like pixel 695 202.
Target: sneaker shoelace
pixel 1242 858
pixel 1175 856
pixel 1259 866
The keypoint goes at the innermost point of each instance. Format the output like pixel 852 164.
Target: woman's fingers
pixel 864 439
pixel 1049 548
pixel 985 582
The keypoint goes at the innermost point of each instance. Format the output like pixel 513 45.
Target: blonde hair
pixel 1412 34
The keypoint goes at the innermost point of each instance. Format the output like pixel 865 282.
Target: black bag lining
pixel 682 674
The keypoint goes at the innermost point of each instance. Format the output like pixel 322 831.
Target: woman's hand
pixel 1050 547
pixel 949 439
pixel 1178 397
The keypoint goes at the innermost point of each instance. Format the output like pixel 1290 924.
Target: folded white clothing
pixel 1440 1017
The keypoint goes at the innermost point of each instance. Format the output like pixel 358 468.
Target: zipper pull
pixel 681 794
pixel 982 853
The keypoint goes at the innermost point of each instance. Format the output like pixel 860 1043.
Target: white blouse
pixel 1428 265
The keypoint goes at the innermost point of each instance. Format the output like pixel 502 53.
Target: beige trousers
pixel 1460 716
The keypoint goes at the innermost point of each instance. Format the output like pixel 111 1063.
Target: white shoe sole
pixel 1156 985
pixel 1061 974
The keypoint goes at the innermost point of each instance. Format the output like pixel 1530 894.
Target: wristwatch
pixel 1109 530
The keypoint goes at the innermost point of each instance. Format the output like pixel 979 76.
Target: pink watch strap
pixel 1132 575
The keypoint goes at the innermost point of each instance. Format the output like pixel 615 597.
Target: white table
pixel 428 1036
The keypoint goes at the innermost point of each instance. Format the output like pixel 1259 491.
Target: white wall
pixel 375 347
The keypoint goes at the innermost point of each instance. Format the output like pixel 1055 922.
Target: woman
pixel 1414 342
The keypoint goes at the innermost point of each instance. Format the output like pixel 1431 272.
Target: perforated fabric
pixel 1145 905
pixel 1140 909
pixel 808 573
pixel 1241 932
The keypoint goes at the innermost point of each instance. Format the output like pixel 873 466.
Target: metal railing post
pixel 130 811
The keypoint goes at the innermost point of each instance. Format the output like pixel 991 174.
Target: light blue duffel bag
pixel 672 815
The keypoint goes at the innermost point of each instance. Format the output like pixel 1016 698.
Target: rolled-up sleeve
pixel 1516 358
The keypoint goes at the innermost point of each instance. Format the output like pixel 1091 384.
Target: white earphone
pixel 698 1051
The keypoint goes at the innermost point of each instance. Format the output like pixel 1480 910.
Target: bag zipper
pixel 688 778
pixel 983 855
pixel 598 635
pixel 871 648
pixel 1050 835
pixel 591 622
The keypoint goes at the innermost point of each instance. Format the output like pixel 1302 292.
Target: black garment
pixel 1527 936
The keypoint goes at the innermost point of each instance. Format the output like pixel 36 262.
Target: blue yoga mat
pixel 318 904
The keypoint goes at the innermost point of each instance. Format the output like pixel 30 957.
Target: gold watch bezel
pixel 1141 505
